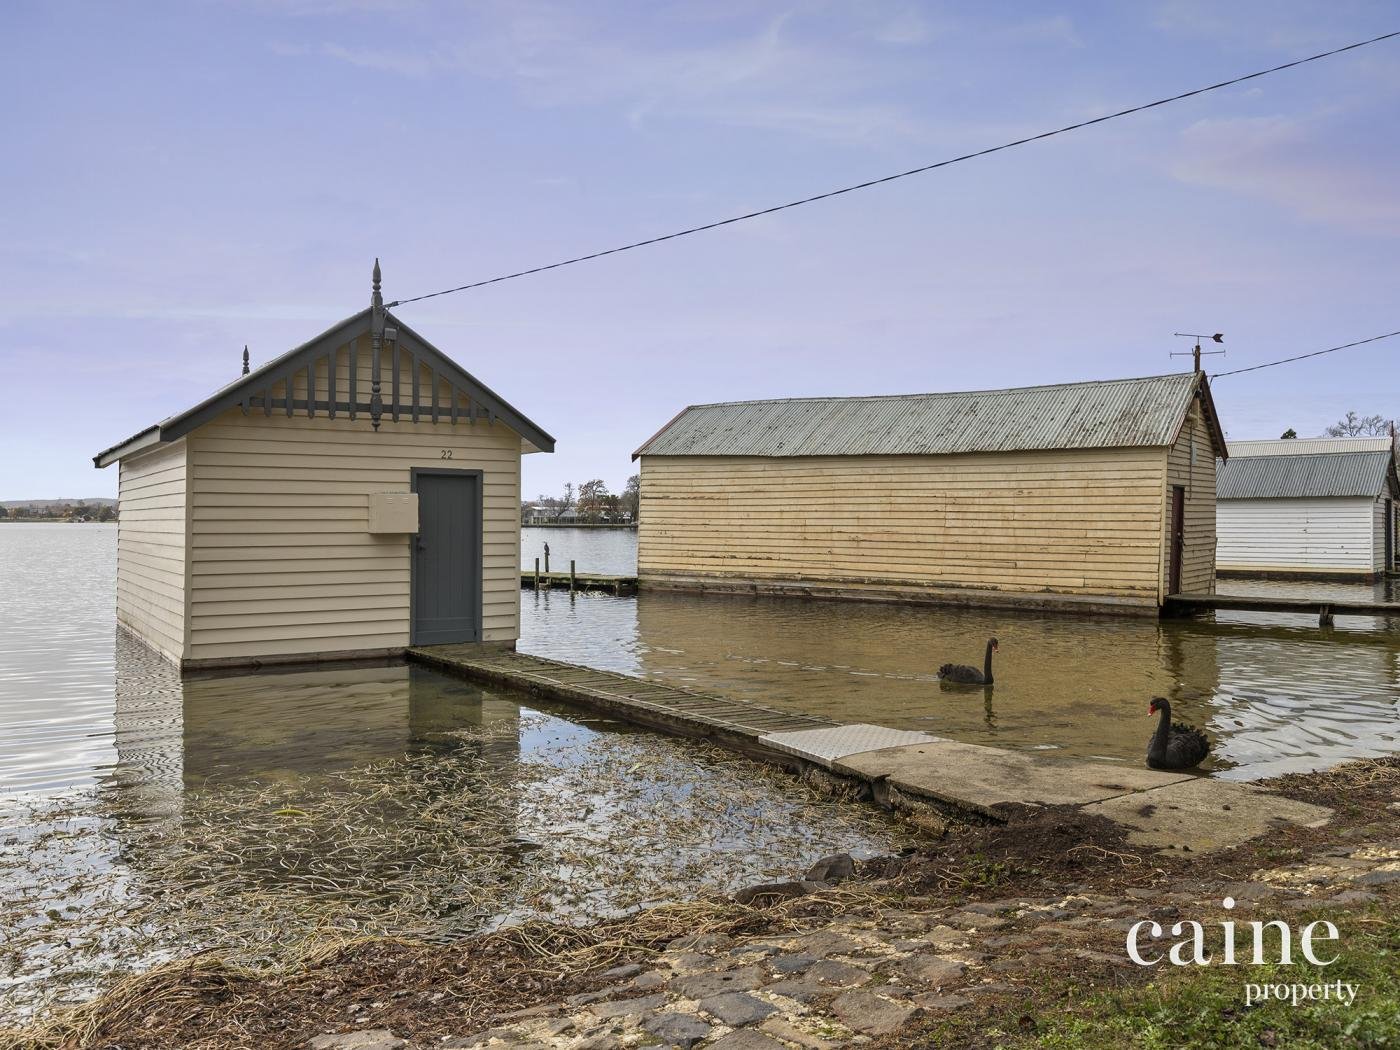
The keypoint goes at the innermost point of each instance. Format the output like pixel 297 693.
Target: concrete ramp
pixel 1201 814
pixel 826 746
pixel 1158 809
pixel 982 778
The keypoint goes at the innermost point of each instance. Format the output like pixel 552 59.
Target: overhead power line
pixel 903 174
pixel 1303 357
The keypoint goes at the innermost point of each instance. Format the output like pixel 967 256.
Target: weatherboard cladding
pixel 1120 413
pixel 1309 476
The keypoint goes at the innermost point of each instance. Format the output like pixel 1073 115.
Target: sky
pixel 185 178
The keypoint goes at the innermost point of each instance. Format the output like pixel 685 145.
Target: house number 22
pixel 447 453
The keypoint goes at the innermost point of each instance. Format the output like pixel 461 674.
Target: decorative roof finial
pixel 245 359
pixel 376 345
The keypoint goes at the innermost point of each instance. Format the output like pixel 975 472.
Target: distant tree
pixel 4 512
pixel 1288 434
pixel 591 499
pixel 106 513
pixel 1359 426
pixel 632 496
pixel 561 505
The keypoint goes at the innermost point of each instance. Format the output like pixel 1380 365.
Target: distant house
pixel 352 497
pixel 1087 496
pixel 1320 507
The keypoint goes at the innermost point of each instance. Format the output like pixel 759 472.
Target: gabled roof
pixel 1312 475
pixel 255 390
pixel 1114 413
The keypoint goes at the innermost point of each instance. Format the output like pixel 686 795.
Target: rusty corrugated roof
pixel 1308 476
pixel 1113 413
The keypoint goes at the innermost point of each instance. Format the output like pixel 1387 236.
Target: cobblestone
pixel 844 983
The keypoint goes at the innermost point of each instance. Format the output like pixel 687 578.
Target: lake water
pixel 611 552
pixel 143 816
pixel 1274 691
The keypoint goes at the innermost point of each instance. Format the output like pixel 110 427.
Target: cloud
pixel 326 8
pixel 1297 165
pixel 1281 25
pixel 1057 29
pixel 784 72
pixel 903 29
pixel 405 63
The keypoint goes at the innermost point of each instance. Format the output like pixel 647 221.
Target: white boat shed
pixel 1307 507
pixel 358 494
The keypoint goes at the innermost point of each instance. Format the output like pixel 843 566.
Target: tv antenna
pixel 1196 350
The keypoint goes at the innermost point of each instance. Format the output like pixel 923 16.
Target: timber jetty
pixel 578 581
pixel 1325 609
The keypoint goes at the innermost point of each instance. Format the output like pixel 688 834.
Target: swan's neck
pixel 987 665
pixel 1164 725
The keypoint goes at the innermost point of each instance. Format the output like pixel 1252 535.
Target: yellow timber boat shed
pixel 1096 496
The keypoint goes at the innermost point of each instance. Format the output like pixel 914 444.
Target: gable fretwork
pixel 415 384
pixel 333 377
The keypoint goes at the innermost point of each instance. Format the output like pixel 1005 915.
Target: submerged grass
pixel 462 836
pixel 215 1003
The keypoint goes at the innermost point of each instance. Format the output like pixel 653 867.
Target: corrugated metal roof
pixel 1309 446
pixel 1314 475
pixel 1114 413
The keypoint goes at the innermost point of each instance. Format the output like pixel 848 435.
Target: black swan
pixel 970 675
pixel 1174 746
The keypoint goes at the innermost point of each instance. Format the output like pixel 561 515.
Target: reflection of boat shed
pixel 1308 507
pixel 1082 495
pixel 356 495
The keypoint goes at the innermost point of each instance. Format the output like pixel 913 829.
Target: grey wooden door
pixel 1178 539
pixel 446 573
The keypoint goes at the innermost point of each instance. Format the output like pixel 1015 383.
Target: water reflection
pixel 1283 698
pixel 248 812
pixel 177 735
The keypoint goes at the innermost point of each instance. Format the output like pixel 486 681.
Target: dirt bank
pixel 937 944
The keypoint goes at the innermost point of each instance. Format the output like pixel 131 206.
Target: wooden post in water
pixel 573 580
pixel 546 559
pixel 537 574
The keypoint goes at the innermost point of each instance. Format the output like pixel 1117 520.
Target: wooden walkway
pixel 581 581
pixel 1156 808
pixel 734 723
pixel 1323 609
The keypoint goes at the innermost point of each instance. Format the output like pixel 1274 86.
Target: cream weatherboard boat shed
pixel 1080 496
pixel 357 495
